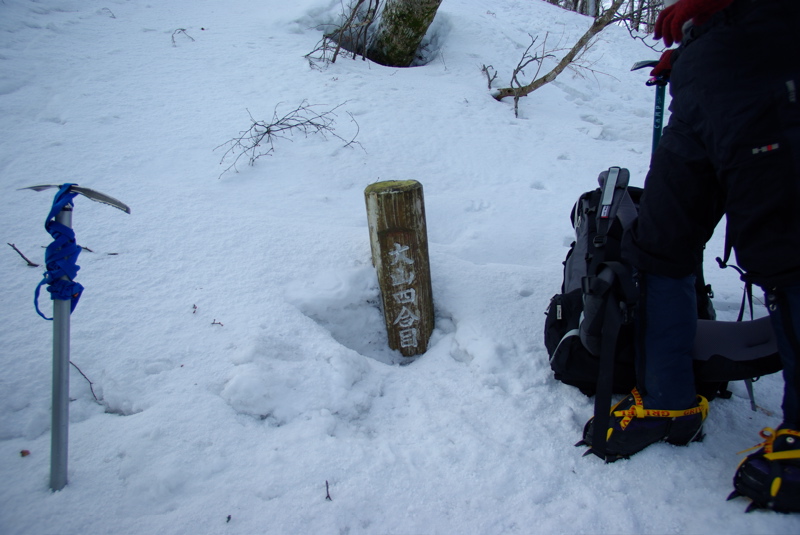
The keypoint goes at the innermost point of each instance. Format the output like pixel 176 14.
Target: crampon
pixel 770 477
pixel 632 428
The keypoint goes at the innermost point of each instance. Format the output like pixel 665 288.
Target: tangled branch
pixel 352 35
pixel 259 139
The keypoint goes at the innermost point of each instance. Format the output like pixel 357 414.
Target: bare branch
pixel 517 91
pixel 654 46
pixel 30 264
pixel 259 139
pixel 91 384
pixel 490 77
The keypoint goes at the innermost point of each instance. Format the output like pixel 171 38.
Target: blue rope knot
pixel 60 256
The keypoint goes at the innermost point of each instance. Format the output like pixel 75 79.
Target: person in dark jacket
pixel 732 147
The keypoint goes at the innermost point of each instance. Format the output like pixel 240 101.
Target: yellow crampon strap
pixel 769 435
pixel 637 410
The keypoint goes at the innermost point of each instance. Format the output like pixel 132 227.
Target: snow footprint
pixel 596 130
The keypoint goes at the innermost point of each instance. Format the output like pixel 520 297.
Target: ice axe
pixel 661 85
pixel 60 258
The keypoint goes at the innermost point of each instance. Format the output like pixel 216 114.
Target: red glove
pixel 671 20
pixel 664 66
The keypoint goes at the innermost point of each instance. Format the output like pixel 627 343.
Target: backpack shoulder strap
pixel 614 187
pixel 617 312
pixel 613 191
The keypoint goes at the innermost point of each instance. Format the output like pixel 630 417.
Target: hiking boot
pixel 770 477
pixel 632 427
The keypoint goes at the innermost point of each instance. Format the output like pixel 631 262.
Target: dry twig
pixel 259 139
pixel 91 384
pixel 490 73
pixel 180 31
pixel 31 264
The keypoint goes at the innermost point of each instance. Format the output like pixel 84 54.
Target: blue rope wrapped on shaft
pixel 60 256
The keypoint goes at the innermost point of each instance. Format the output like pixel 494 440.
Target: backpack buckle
pixel 599 241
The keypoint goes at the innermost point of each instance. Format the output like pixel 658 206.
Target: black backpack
pixel 589 326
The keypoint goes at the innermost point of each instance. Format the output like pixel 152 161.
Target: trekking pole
pixel 660 82
pixel 60 258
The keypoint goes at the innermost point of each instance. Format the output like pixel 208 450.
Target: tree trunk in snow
pixel 403 25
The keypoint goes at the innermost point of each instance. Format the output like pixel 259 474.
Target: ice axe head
pixel 655 80
pixel 86 192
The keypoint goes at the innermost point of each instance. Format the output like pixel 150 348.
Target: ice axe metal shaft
pixel 59 434
pixel 62 309
pixel 661 85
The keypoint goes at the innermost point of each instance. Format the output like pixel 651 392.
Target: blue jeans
pixel 667 324
pixel 784 312
pixel 665 331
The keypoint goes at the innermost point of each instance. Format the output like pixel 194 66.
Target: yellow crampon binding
pixel 637 410
pixel 770 435
pixel 763 487
pixel 624 438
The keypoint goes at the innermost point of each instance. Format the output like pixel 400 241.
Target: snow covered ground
pixel 230 325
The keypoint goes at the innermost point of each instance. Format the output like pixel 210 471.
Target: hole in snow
pixel 347 304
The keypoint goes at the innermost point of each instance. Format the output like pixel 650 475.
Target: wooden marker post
pixel 398 236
